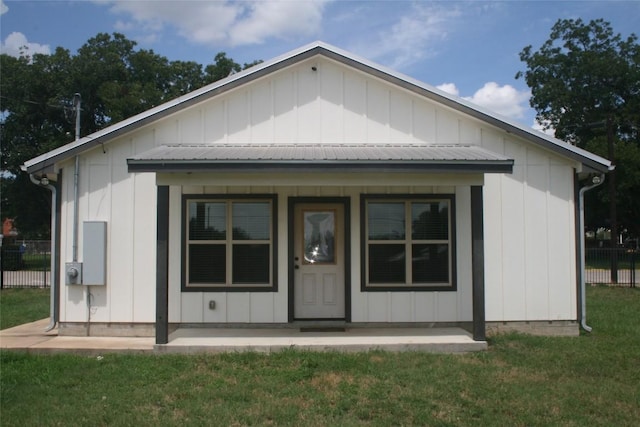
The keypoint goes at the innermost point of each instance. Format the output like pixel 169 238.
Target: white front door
pixel 319 291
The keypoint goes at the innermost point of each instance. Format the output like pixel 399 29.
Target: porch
pixel 31 337
pixel 347 339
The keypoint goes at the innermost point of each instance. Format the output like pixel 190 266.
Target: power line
pixel 40 104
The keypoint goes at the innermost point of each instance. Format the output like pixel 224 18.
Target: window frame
pixel 407 241
pixel 228 286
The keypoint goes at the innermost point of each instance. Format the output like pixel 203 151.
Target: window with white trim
pixel 408 242
pixel 229 242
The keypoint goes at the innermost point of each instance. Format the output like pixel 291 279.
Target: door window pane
pixel 319 237
pixel 386 221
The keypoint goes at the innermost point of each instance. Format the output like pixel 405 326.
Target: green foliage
pixel 28 204
pixel 628 186
pixel 585 80
pixel 582 76
pixel 224 67
pixel 115 81
pixel 522 380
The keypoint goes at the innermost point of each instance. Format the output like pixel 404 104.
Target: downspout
pixel 53 307
pixel 596 181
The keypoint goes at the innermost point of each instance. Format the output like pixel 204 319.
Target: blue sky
pixel 469 48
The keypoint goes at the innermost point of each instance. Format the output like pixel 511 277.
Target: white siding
pixel 529 236
pixel 121 242
pixel 126 202
pixel 330 105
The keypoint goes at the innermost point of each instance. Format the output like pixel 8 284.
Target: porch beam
pixel 162 266
pixel 477 261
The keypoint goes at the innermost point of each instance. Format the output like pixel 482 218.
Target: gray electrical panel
pixel 94 253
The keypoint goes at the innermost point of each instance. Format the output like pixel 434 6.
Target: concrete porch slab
pixel 434 340
pixel 31 337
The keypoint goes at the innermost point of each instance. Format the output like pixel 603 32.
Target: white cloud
pixel 282 19
pixel 541 127
pixel 505 100
pixel 16 44
pixel 123 26
pixel 222 22
pixel 450 88
pixel 415 36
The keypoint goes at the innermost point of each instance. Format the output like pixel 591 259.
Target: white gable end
pixel 317 101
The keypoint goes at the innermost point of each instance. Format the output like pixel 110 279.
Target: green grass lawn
pixel 521 380
pixel 18 306
pixel 37 262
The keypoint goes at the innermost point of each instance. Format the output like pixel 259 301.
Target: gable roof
pixel 45 162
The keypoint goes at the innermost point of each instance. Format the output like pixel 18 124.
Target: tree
pixel 115 80
pixel 33 122
pixel 585 84
pixel 223 67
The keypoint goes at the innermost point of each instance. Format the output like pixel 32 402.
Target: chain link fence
pixel 25 264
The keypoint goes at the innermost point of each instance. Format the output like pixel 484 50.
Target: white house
pixel 316 186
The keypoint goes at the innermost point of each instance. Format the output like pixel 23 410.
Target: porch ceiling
pixel 313 157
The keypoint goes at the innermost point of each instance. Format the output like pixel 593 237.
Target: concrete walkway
pixel 32 338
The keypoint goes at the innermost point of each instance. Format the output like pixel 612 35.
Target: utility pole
pixel 612 203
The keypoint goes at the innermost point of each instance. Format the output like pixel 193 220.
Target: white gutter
pixel 596 181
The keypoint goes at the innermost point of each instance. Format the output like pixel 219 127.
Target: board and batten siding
pixel 529 232
pixel 529 229
pixel 126 202
pixel 330 105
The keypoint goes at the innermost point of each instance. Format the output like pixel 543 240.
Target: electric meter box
pixel 94 248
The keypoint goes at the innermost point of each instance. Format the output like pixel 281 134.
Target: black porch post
pixel 162 267
pixel 477 261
